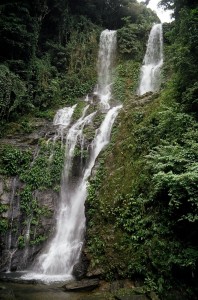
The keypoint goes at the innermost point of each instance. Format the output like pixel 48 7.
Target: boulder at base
pixel 82 285
pixel 132 297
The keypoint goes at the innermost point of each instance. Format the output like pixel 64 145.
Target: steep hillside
pixel 142 205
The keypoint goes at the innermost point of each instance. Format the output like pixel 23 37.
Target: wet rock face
pixel 15 251
pixel 80 269
pixel 23 231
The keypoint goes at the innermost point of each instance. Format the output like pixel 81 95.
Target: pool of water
pixel 13 288
pixel 19 291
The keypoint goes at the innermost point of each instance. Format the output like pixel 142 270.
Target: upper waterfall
pixel 106 57
pixel 150 78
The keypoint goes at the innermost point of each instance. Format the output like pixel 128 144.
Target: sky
pixel 165 16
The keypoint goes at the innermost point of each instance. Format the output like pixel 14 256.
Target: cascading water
pixel 63 252
pixel 62 119
pixel 107 51
pixel 153 61
pixel 9 233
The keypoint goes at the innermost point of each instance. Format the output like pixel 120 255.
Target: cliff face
pixel 19 245
pixel 27 211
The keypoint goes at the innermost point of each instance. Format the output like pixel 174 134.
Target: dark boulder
pixel 80 269
pixel 93 297
pixel 82 285
pixel 132 297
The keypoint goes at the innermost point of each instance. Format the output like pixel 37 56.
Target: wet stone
pixel 132 297
pixel 1 187
pixel 5 198
pixel 82 285
pixel 92 297
pixel 94 272
pixel 80 269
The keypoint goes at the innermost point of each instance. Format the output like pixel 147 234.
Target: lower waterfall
pixel 57 260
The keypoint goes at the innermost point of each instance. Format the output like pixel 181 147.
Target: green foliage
pixel 39 239
pixel 142 204
pixel 132 40
pixel 41 173
pixel 3 208
pixel 17 31
pixel 14 161
pixel 175 176
pixel 47 114
pixel 126 80
pixel 12 91
pixel 42 165
pixel 110 13
pixel 177 5
pixel 3 225
pixel 78 110
pixel 46 85
pixel 21 242
pixel 41 46
pixel 56 164
pixel 98 247
pixel 94 187
pixel 80 153
pixel 26 200
pixel 73 88
pixel 49 74
pixel 183 57
pixel 35 177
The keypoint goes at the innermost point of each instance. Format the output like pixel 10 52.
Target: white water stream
pixel 150 78
pixel 9 233
pixel 62 253
pixel 106 57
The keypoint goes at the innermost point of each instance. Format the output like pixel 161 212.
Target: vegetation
pixel 30 171
pixel 142 212
pixel 142 209
pixel 42 68
pixel 42 65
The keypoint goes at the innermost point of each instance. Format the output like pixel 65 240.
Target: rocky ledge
pixel 82 285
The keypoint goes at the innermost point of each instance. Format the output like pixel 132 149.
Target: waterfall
pixel 106 56
pixel 150 78
pixel 11 250
pixel 11 209
pixel 24 258
pixel 62 120
pixel 57 260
